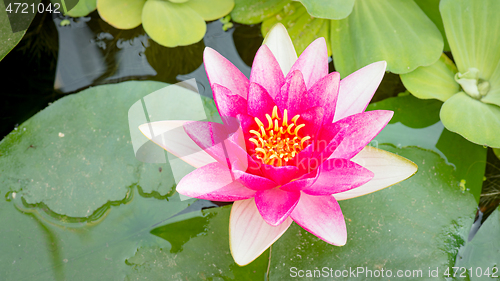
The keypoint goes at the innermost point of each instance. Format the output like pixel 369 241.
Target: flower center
pixel 279 142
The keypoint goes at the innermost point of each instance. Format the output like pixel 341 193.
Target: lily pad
pixel 212 9
pixel 415 225
pixel 255 11
pixel 476 121
pixel 83 8
pixel 436 81
pixel 76 155
pixel 122 14
pixel 431 9
pixel 472 29
pixel 199 251
pixel 302 28
pixel 328 9
pixel 172 24
pixel 395 31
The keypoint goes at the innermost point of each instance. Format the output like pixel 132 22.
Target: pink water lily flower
pixel 293 142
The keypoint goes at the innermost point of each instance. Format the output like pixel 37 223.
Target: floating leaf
pixel 431 9
pixel 83 8
pixel 472 28
pixel 388 229
pixel 395 31
pixel 476 121
pixel 329 9
pixel 76 155
pixel 172 24
pixel 302 28
pixel 122 14
pixel 255 11
pixel 436 81
pixel 212 9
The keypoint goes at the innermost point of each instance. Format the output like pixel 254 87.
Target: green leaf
pixel 476 121
pixel 417 224
pixel 76 155
pixel 416 123
pixel 472 28
pixel 83 8
pixel 395 31
pixel 302 28
pixel 436 81
pixel 36 244
pixel 497 152
pixel 431 9
pixel 483 251
pixel 8 39
pixel 255 11
pixel 328 9
pixel 171 24
pixel 121 14
pixel 199 251
pixel 211 10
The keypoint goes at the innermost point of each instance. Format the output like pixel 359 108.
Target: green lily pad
pixel 436 81
pixel 482 254
pixel 472 29
pixel 302 28
pixel 328 9
pixel 37 245
pixel 255 11
pixel 211 10
pixel 122 14
pixel 8 39
pixel 76 155
pixel 476 121
pixel 83 8
pixel 199 251
pixel 431 9
pixel 418 224
pixel 395 31
pixel 171 24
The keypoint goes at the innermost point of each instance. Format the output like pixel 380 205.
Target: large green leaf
pixel 76 155
pixel 431 9
pixel 211 9
pixel 436 81
pixel 83 8
pixel 329 9
pixel 476 121
pixel 121 14
pixel 393 30
pixel 482 254
pixel 417 224
pixel 302 28
pixel 255 11
pixel 199 251
pixel 171 24
pixel 472 28
pixel 416 123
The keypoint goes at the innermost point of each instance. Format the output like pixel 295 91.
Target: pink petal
pixel 357 89
pixel 275 205
pixel 170 135
pixel 249 234
pixel 312 119
pixel 267 72
pixel 281 46
pixel 291 94
pixel 213 182
pixel 254 182
pixel 313 62
pixel 321 215
pixel 260 102
pixel 223 72
pixel 280 175
pixel 338 175
pixel 388 169
pixel 228 104
pixel 363 127
pixel 324 93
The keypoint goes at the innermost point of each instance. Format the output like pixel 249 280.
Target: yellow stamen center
pixel 277 144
